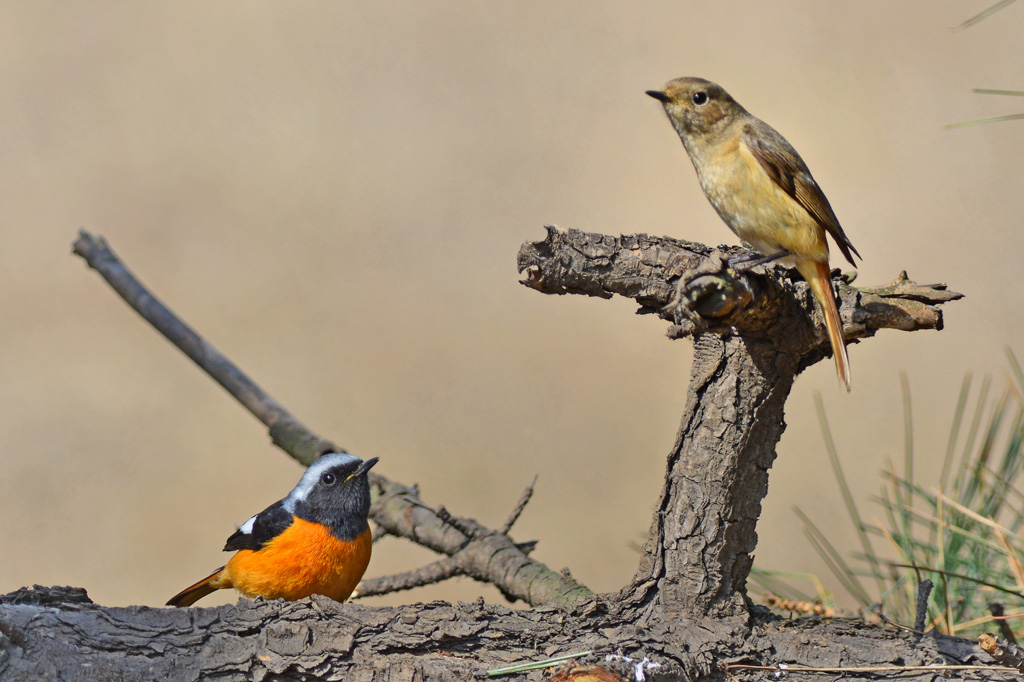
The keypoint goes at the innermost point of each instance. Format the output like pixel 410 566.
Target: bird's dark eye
pixel 328 478
pixel 700 98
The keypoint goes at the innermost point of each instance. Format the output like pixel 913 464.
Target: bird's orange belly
pixel 305 559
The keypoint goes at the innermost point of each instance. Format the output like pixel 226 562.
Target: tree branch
pixel 451 566
pixel 430 574
pixel 492 557
pixel 286 431
pixel 754 331
pixel 649 270
pixel 57 633
pixel 524 499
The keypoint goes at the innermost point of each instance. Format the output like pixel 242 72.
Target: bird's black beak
pixel 659 95
pixel 365 466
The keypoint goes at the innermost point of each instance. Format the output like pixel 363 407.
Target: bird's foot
pixel 752 259
pixel 711 290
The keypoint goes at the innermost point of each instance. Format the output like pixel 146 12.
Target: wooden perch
pixel 753 333
pixel 649 270
pixel 59 634
pixel 685 610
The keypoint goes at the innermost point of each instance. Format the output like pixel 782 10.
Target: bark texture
pixel 685 609
pixel 58 634
pixel 700 547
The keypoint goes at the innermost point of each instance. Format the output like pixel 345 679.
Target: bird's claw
pixel 711 290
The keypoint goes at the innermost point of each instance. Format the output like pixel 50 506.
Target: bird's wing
pixel 260 529
pixel 785 167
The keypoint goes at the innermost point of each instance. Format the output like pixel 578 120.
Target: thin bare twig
pixel 432 573
pixel 891 623
pixel 998 611
pixel 287 432
pixel 520 506
pixel 464 526
pixel 379 533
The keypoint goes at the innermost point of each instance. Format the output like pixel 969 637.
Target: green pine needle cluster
pixel 965 533
pixel 981 16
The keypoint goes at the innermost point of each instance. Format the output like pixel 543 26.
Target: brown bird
pixel 762 189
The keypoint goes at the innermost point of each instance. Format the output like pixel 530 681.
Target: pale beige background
pixel 335 192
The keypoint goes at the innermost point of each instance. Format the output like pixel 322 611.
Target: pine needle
pixel 984 14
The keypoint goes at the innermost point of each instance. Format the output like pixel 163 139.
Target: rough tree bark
pixel 685 609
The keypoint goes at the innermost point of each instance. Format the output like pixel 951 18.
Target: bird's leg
pixel 753 259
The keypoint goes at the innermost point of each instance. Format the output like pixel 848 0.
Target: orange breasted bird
pixel 314 541
pixel 762 189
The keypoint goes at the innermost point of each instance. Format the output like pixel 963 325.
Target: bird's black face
pixel 335 492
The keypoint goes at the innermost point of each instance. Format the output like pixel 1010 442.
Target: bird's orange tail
pixel 818 276
pixel 190 595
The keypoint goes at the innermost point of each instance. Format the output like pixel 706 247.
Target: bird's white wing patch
pixel 246 527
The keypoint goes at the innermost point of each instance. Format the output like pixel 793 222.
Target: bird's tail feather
pixel 819 278
pixel 193 593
